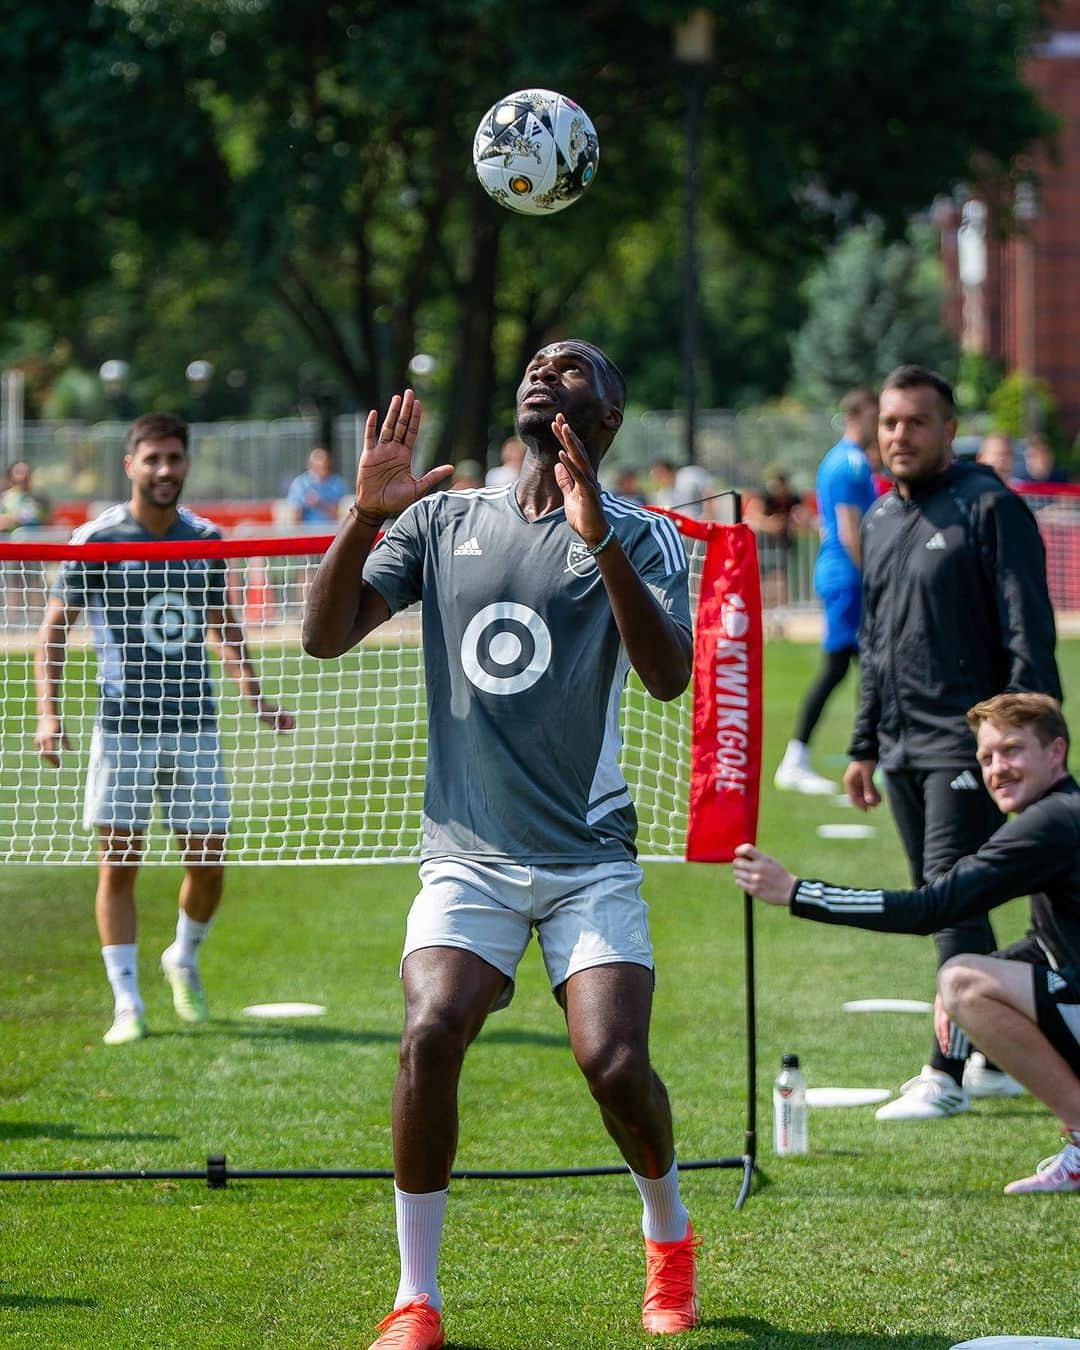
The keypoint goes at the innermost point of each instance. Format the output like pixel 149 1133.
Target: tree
pixel 315 155
pixel 873 305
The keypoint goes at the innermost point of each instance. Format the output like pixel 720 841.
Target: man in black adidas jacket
pixel 1021 1005
pixel 955 609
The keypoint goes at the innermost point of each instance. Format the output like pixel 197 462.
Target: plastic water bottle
pixel 789 1108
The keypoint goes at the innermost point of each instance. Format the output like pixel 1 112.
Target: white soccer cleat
pixel 128 1025
pixel 806 781
pixel 188 997
pixel 795 774
pixel 981 1081
pixel 931 1096
pixel 1059 1173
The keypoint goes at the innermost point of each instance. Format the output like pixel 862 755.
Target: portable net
pixel 346 785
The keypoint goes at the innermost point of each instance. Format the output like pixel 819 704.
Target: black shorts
pixel 1057 998
pixel 1057 1011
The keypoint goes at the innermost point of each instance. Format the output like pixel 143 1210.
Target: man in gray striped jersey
pixel 1021 1006
pixel 538 598
pixel 156 726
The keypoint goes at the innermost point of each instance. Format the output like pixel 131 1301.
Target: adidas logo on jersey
pixel 1055 983
pixel 469 549
pixel 936 540
pixel 964 782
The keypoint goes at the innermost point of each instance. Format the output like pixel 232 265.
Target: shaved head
pixel 609 377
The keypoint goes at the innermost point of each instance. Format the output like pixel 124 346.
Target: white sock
pixel 419 1234
pixel 797 752
pixel 189 937
pixel 121 966
pixel 664 1217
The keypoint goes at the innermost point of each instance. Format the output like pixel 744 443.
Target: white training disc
pixel 846 831
pixel 901 1005
pixel 841 1096
pixel 1032 1342
pixel 285 1010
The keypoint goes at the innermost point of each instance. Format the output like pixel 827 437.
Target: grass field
pixel 884 1238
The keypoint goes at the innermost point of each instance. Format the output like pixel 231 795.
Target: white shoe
pixel 189 999
pixel 983 1082
pixel 930 1096
pixel 795 774
pixel 1059 1173
pixel 128 1025
pixel 801 778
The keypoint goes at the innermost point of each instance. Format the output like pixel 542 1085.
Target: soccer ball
pixel 535 152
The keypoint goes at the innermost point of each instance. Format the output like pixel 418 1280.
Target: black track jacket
pixel 955 609
pixel 1037 850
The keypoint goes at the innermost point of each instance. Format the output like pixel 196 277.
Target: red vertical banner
pixel 725 760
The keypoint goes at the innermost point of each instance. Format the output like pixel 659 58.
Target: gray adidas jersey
pixel 149 624
pixel 525 671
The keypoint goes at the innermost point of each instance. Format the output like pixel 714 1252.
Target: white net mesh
pixel 344 786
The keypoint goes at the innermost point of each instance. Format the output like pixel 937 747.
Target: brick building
pixel 1018 299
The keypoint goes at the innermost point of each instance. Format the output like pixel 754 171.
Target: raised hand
pixel 579 485
pixel 385 485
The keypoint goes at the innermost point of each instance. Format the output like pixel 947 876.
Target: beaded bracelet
pixel 592 552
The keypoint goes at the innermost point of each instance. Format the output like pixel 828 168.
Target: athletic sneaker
pixel 187 991
pixel 414 1326
pixel 795 773
pixel 1059 1173
pixel 982 1081
pixel 128 1025
pixel 930 1096
pixel 671 1293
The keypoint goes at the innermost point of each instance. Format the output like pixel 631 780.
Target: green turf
pixel 884 1238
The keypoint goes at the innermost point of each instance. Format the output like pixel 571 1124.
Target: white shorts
pixel 584 916
pixel 183 769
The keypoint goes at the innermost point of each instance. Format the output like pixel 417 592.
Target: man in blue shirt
pixel 316 495
pixel 845 492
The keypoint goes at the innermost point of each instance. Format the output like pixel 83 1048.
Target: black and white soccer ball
pixel 535 152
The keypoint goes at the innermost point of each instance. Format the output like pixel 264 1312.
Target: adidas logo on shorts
pixel 1055 983
pixel 964 782
pixel 469 549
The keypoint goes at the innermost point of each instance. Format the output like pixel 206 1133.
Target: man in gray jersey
pixel 155 732
pixel 539 596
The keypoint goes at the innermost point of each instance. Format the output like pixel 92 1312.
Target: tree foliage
pixel 314 157
pixel 874 304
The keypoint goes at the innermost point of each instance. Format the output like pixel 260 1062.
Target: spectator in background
pixel 685 490
pixel 845 492
pixel 316 495
pixel 628 486
pixel 997 453
pixel 661 490
pixel 773 517
pixel 693 492
pixel 20 506
pixel 1038 464
pixel 467 474
pixel 506 471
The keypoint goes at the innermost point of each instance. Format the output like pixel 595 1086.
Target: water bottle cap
pixel 790 1062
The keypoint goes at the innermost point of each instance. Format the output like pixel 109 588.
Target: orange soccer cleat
pixel 671 1293
pixel 414 1326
